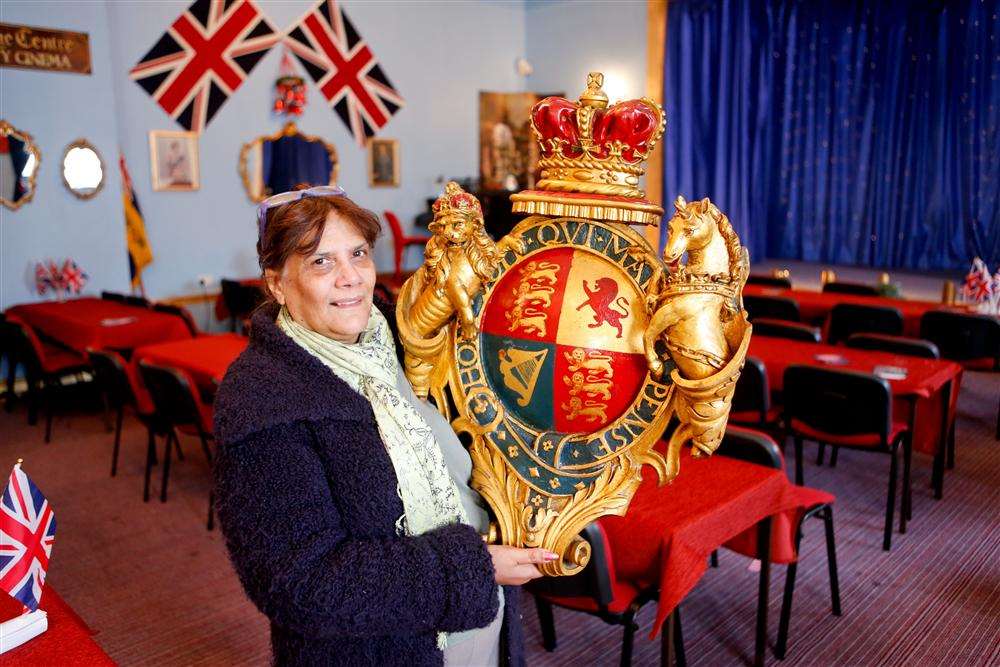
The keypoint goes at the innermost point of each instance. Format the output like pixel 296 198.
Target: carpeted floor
pixel 158 588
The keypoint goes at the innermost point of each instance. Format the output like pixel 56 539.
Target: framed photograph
pixel 173 157
pixel 383 163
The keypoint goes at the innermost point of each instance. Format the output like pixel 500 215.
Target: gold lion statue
pixel 458 258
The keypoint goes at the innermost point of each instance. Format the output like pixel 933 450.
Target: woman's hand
pixel 514 566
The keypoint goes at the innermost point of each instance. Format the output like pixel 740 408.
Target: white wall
pixel 57 108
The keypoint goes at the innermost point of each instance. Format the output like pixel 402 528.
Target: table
pixel 668 533
pixel 99 323
pixel 814 307
pixel 925 398
pixel 205 358
pixel 68 640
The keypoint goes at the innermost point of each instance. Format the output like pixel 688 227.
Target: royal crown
pixel 593 155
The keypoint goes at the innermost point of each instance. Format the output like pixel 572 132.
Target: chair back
pixel 783 329
pixel 859 289
pixel 181 312
pixel 25 346
pixel 174 395
pixel 140 301
pixel 595 581
pixel 394 226
pixel 240 299
pixel 751 446
pixel 771 307
pixel 112 296
pixel 769 281
pixel 913 347
pixel 850 318
pixel 962 336
pixel 112 376
pixel 839 402
pixel 752 391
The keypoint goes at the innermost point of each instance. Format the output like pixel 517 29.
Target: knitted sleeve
pixel 297 564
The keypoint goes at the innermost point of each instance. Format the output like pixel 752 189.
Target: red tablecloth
pixel 205 358
pixel 815 306
pixel 917 391
pixel 100 323
pixel 667 534
pixel 67 641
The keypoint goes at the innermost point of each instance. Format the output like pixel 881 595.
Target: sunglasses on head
pixel 293 195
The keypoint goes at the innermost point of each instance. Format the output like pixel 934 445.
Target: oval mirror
pixel 279 162
pixel 82 169
pixel 19 158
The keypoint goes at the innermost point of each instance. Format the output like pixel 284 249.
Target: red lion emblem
pixel 601 298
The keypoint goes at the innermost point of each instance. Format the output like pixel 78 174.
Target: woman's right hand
pixel 514 566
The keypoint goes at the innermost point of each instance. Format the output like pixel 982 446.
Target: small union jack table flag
pixel 27 531
pixel 345 69
pixel 73 277
pixel 204 57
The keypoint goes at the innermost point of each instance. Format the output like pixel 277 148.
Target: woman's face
pixel 330 290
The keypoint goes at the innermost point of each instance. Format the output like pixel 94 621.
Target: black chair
pixel 912 347
pixel 596 590
pixel 783 329
pixel 9 337
pixel 181 312
pixel 752 398
pixel 859 289
pixel 240 300
pixel 851 410
pixel 850 318
pixel 755 447
pixel 771 307
pixel 964 337
pixel 139 301
pixel 45 368
pixel 179 406
pixel 769 281
pixel 113 296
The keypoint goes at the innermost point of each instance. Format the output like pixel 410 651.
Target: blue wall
pixel 437 54
pixel 57 108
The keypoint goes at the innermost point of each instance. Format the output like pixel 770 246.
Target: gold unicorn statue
pixel 700 320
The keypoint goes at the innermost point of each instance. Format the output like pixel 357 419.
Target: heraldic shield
pixel 562 351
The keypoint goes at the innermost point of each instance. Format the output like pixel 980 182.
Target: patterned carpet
pixel 158 588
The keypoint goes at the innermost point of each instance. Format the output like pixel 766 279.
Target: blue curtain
pixel 854 132
pixel 292 160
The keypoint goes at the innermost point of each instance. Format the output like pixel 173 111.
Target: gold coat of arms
pixel 562 351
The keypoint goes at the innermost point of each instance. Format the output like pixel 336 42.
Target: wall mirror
pixel 82 169
pixel 19 159
pixel 279 162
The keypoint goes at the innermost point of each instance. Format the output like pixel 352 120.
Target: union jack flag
pixel 43 281
pixel 73 277
pixel 27 531
pixel 978 285
pixel 204 57
pixel 345 69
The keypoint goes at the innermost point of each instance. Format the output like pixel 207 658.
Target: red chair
pixel 45 366
pixel 400 241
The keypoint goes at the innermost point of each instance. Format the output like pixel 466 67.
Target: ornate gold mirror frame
pixel 78 192
pixel 29 171
pixel 253 183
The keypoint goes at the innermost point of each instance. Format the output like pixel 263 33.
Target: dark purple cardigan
pixel 306 497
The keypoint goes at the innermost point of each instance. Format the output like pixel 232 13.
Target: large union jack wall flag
pixel 204 57
pixel 27 531
pixel 344 69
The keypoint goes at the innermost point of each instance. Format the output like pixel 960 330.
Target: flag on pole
pixel 27 531
pixel 139 252
pixel 344 68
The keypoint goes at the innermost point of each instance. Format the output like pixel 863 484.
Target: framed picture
pixel 173 157
pixel 383 163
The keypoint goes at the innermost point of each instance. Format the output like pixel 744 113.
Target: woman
pixel 343 498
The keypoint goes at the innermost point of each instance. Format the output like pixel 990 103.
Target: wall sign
pixel 27 47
